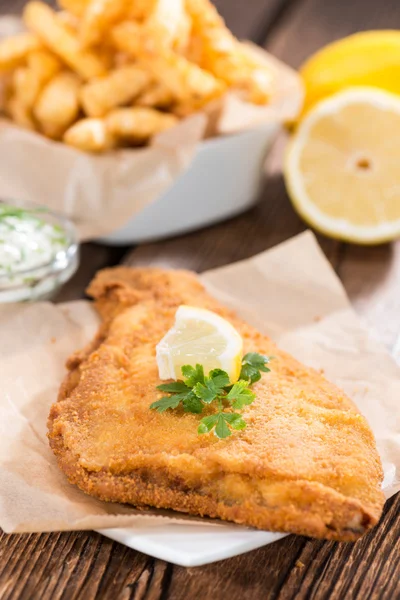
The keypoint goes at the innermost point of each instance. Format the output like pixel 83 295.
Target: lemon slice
pixel 199 336
pixel 342 166
pixel 369 58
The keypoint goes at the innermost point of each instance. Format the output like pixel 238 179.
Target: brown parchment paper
pixel 289 293
pixel 101 193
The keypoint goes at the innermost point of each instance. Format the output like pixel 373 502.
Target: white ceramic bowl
pixel 223 180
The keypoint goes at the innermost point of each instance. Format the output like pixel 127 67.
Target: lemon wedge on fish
pixel 199 336
pixel 342 166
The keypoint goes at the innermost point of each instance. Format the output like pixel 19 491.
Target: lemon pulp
pixel 199 336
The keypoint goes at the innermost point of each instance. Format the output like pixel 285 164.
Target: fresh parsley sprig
pixel 197 391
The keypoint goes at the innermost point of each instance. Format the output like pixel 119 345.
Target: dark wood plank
pixel 92 258
pixel 308 25
pixel 69 566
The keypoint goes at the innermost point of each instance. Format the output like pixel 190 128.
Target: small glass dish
pixel 44 276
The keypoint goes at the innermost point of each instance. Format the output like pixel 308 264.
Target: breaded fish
pixel 306 463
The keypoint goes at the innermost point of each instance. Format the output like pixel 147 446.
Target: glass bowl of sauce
pixel 39 252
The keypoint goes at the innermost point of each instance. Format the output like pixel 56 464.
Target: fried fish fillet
pixel 306 463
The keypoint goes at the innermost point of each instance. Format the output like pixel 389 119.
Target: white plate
pixel 191 546
pixel 223 180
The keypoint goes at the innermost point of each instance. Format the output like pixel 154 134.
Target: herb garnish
pixel 199 390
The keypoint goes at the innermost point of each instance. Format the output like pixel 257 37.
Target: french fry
pixel 19 113
pixel 166 26
pixel 121 63
pixel 139 10
pixel 74 7
pixel 126 37
pixel 136 9
pixel 69 20
pixel 165 23
pixel 44 63
pixel 29 81
pixel 14 50
pixel 119 87
pixel 184 79
pixel 97 19
pixel 58 105
pixel 138 124
pixel 26 86
pixel 156 95
pixel 5 91
pixel 89 135
pixel 225 57
pixel 56 36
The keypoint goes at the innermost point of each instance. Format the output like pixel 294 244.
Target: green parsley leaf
pixel 175 387
pixel 255 359
pixel 235 420
pixel 192 404
pixel 213 386
pixel 250 374
pixel 240 395
pixel 165 403
pixel 207 424
pixel 193 375
pixel 197 391
pixel 222 430
pixel 207 391
pixel 219 377
pixel 252 364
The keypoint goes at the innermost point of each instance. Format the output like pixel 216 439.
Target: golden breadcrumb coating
pixel 306 462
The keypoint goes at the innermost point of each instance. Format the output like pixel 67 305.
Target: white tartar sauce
pixel 26 240
pixel 37 255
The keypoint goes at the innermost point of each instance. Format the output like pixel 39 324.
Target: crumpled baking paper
pixel 289 292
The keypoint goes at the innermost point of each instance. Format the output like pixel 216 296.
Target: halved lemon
pixel 342 168
pixel 369 58
pixel 199 336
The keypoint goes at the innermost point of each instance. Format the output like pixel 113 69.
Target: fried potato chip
pixel 156 95
pixel 99 15
pixel 58 105
pixel 138 124
pixel 224 56
pixel 89 135
pixel 119 87
pixel 54 34
pixel 14 50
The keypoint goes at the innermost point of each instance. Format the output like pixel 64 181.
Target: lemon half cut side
pixel 342 167
pixel 199 336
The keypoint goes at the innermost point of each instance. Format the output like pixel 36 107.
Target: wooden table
pixel 86 565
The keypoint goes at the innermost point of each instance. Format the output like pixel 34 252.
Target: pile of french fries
pixel 101 74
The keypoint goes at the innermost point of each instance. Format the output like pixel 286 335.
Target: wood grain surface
pixel 85 565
